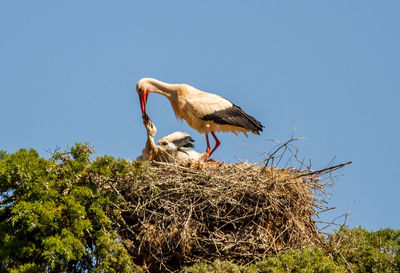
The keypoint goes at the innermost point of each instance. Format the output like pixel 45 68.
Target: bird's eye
pixel 164 143
pixel 140 90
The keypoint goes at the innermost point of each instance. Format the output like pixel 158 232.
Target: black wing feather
pixel 184 142
pixel 237 117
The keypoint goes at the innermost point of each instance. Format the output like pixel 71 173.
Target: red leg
pixel 208 147
pixel 217 143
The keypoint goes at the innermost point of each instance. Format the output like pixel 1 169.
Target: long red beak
pixel 143 102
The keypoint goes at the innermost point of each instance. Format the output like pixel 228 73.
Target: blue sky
pixel 68 72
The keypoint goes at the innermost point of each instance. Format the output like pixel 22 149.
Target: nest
pixel 175 215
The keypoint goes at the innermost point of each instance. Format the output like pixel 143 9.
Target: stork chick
pixel 171 148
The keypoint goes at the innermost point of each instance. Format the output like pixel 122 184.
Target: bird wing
pixel 235 116
pixel 179 139
pixel 203 103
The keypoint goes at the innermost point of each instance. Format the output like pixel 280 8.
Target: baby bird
pixel 171 148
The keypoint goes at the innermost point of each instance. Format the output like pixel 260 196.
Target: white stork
pixel 204 112
pixel 171 148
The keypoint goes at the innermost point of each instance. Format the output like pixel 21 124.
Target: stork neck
pixel 150 144
pixel 165 89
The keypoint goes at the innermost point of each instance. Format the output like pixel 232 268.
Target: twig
pixel 324 171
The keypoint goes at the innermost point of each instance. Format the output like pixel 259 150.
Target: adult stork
pixel 203 111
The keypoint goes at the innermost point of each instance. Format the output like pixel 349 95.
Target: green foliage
pixel 52 217
pixel 26 268
pixel 215 267
pixel 308 260
pixel 347 250
pixel 367 251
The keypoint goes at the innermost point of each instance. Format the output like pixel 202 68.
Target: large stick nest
pixel 175 215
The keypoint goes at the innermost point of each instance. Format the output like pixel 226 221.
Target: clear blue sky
pixel 68 71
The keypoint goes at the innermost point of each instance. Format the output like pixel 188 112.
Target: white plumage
pixel 203 111
pixel 171 148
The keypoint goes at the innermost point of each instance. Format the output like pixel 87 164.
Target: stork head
pixel 150 127
pixel 143 93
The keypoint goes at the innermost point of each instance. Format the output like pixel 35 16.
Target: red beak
pixel 146 96
pixel 143 102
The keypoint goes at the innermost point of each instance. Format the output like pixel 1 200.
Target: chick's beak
pixel 146 118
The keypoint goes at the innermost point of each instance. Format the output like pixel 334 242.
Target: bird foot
pixel 210 160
